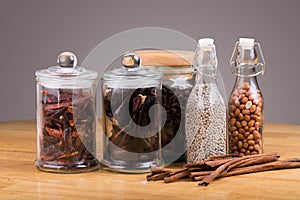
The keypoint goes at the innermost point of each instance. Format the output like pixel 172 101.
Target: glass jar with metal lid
pixel 131 118
pixel 177 82
pixel 66 117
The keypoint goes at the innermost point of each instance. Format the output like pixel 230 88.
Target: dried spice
pixel 246 115
pixel 205 123
pixel 223 165
pixel 173 109
pixel 174 100
pixel 121 127
pixel 67 129
pixel 246 103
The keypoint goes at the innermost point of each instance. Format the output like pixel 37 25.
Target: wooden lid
pixel 165 57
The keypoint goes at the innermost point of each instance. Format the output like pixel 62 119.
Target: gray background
pixel 33 32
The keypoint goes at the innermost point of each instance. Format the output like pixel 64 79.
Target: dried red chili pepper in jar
pixel 66 117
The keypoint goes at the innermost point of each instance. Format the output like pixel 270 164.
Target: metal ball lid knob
pixel 131 60
pixel 67 59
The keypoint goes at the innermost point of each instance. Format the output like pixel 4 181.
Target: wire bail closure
pixel 258 68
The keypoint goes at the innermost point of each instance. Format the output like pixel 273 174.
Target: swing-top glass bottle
pixel 206 109
pixel 246 104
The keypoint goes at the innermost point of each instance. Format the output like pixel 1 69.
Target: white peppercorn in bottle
pixel 206 109
pixel 246 104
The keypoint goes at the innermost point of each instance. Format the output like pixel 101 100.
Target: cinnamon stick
pixel 257 159
pixel 263 167
pixel 249 161
pixel 193 169
pixel 208 179
pixel 197 164
pixel 223 166
pixel 216 163
pixel 223 156
pixel 260 160
pixel 195 174
pixel 157 170
pixel 157 177
pixel 176 176
pixel 198 178
pixel 234 161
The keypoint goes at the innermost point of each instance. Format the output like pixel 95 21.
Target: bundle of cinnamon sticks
pixel 221 166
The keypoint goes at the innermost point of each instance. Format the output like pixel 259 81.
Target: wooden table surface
pixel 19 179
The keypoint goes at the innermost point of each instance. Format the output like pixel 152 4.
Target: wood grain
pixel 19 179
pixel 166 57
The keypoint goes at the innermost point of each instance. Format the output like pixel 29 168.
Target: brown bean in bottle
pixel 245 122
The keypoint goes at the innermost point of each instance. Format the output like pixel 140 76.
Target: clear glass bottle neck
pixel 205 62
pixel 206 75
pixel 246 56
pixel 205 56
pixel 246 70
pixel 247 61
pixel 246 65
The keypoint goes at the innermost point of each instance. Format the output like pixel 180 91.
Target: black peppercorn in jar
pixel 131 118
pixel 66 117
pixel 177 83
